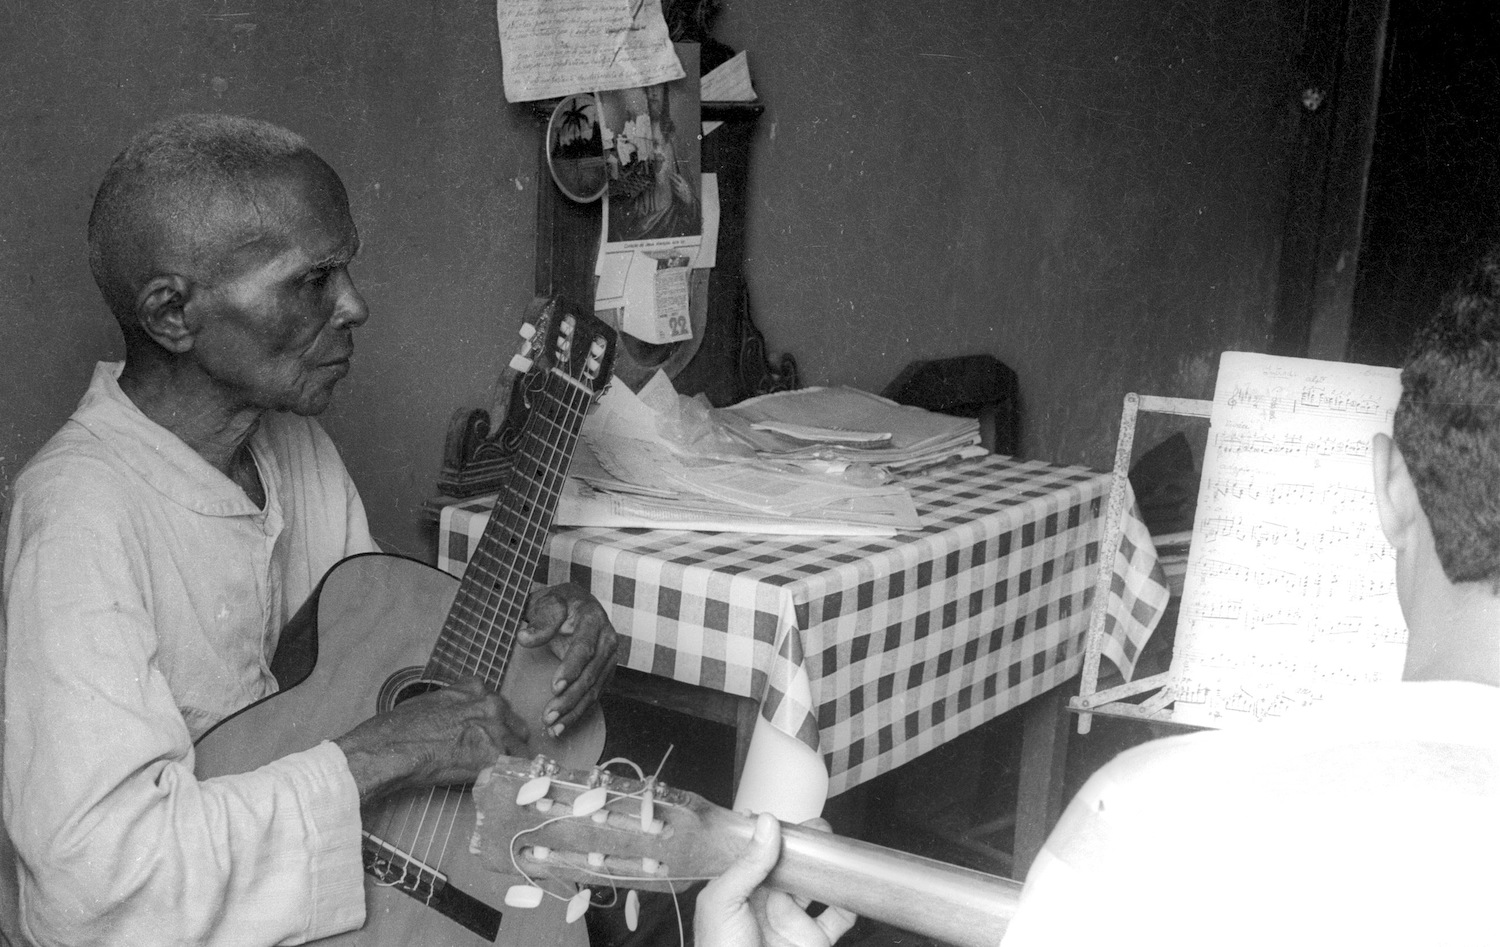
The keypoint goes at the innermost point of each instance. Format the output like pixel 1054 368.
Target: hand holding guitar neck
pixel 443 737
pixel 575 626
pixel 542 821
pixel 737 910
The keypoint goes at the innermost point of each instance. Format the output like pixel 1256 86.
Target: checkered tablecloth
pixel 872 651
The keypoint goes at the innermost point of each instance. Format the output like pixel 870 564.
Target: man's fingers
pixel 750 869
pixel 836 922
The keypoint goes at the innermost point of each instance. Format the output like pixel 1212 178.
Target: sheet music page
pixel 1290 587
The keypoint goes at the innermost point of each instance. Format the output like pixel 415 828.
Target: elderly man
pixel 1373 819
pixel 161 539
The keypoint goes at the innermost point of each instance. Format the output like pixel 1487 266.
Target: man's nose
pixel 350 310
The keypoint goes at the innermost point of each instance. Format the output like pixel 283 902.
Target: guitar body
pixel 373 622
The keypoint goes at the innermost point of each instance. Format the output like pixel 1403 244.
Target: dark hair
pixel 1448 424
pixel 158 189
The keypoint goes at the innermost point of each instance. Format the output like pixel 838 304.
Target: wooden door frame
pixel 1339 73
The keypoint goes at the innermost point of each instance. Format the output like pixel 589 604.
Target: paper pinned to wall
pixel 1290 586
pixel 728 82
pixel 552 48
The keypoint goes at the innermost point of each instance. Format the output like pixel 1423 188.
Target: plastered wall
pixel 1089 190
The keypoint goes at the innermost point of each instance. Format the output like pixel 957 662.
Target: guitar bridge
pixel 390 867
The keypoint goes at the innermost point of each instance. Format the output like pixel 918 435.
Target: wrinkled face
pixel 274 316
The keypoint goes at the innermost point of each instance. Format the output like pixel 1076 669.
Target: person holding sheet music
pixel 1373 819
pixel 160 540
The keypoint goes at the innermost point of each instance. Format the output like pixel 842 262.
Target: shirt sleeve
pixel 118 842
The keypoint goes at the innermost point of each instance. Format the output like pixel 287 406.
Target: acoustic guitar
pixel 542 819
pixel 365 641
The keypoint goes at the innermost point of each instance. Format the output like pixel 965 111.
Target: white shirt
pixel 144 597
pixel 1371 820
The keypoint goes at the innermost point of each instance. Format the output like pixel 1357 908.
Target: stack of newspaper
pixel 850 426
pixel 658 460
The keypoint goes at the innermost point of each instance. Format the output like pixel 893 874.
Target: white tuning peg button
pixel 590 802
pixel 632 909
pixel 578 904
pixel 533 790
pixel 520 362
pixel 649 866
pixel 527 331
pixel 523 896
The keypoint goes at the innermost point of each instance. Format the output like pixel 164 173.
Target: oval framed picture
pixel 575 148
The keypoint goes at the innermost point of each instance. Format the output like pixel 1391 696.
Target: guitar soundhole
pixel 404 685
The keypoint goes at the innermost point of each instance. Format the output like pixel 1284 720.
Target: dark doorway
pixel 1433 198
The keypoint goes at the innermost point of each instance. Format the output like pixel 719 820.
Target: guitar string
pixel 426 800
pixel 614 878
pixel 447 813
pixel 506 593
pixel 490 660
pixel 503 594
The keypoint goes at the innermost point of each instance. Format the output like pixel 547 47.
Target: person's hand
pixel 735 910
pixel 570 621
pixel 443 737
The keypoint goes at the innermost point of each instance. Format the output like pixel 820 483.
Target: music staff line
pixel 1309 400
pixel 1360 542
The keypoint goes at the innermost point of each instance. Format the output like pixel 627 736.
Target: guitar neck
pixel 480 630
pixel 953 904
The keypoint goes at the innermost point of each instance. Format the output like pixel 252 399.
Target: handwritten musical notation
pixel 1290 585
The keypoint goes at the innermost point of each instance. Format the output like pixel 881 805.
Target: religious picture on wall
pixel 651 139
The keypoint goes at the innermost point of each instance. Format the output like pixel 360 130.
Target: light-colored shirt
pixel 1371 820
pixel 144 597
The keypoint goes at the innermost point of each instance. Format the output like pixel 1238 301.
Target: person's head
pixel 1438 479
pixel 221 246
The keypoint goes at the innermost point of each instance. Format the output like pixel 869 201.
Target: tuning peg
pixel 591 801
pixel 533 790
pixel 523 896
pixel 521 361
pixel 578 904
pixel 632 909
pixel 648 808
pixel 596 859
pixel 649 866
pixel 539 853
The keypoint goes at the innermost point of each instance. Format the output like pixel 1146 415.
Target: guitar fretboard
pixel 480 630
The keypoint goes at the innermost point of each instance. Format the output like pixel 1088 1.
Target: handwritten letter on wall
pixel 552 48
pixel 1290 588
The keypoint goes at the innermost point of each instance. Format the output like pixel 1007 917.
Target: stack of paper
pixel 642 463
pixel 847 425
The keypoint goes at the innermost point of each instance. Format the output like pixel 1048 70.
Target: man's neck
pixel 1456 636
pixel 218 433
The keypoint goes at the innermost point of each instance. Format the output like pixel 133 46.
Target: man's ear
pixel 161 312
pixel 1396 499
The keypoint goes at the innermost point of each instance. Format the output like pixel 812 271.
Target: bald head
pixel 181 194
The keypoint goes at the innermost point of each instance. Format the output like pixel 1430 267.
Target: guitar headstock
pixel 598 827
pixel 576 345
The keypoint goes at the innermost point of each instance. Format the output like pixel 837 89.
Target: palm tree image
pixel 576 151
